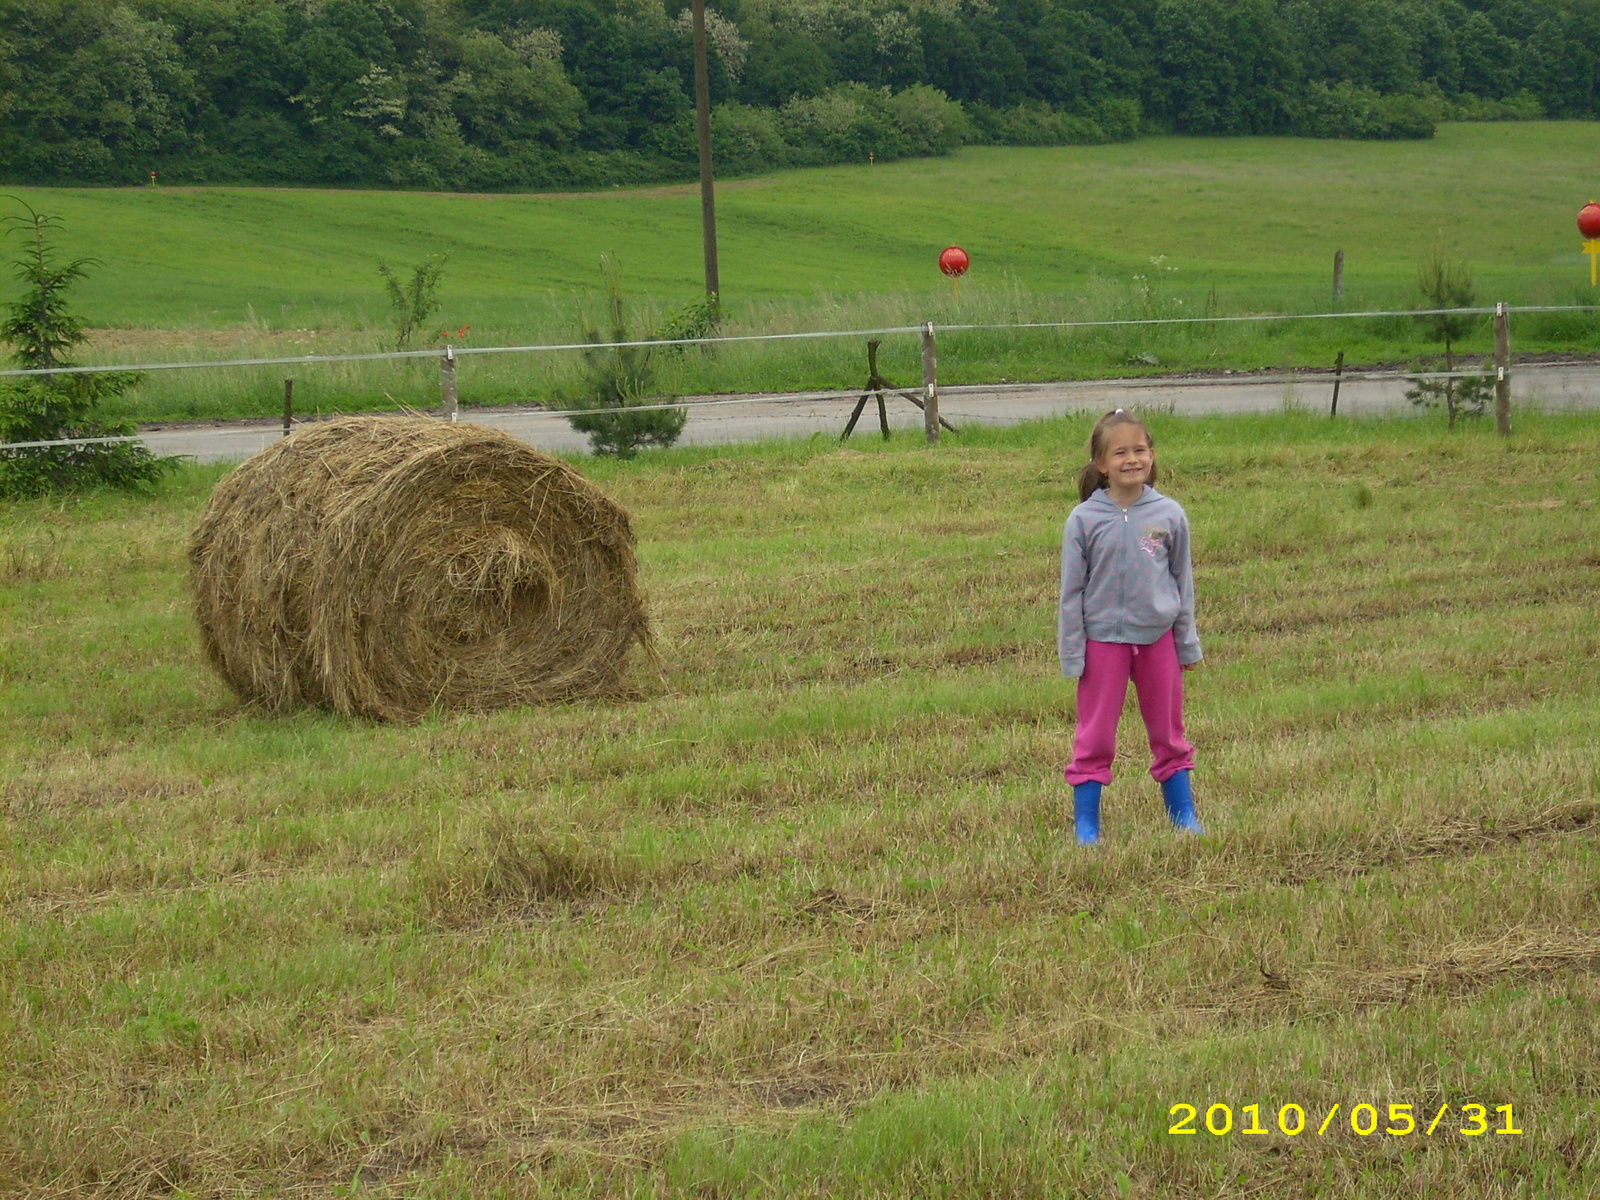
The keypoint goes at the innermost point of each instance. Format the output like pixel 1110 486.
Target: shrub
pixel 1346 110
pixel 843 124
pixel 1522 106
pixel 1035 123
pixel 697 319
pixel 744 139
pixel 413 302
pixel 931 122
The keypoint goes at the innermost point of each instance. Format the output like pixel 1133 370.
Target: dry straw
pixel 386 567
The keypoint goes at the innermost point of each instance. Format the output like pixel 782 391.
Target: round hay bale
pixel 386 567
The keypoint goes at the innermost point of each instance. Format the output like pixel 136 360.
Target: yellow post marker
pixel 1592 249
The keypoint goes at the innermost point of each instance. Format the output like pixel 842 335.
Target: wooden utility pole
pixel 1502 370
pixel 702 120
pixel 447 383
pixel 930 384
pixel 1338 273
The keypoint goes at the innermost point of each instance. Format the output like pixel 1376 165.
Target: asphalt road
pixel 713 419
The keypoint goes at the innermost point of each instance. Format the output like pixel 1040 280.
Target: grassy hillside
pixel 1258 217
pixel 805 918
pixel 1234 225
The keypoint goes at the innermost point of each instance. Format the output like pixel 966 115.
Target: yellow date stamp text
pixel 1364 1119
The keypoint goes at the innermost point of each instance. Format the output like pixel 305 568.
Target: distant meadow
pixel 1160 227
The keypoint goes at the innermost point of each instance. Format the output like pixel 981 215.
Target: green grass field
pixel 805 918
pixel 1241 225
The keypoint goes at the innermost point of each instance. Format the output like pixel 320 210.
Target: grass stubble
pixel 806 918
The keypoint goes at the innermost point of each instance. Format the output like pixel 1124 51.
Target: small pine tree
pixel 1447 283
pixel 41 330
pixel 617 380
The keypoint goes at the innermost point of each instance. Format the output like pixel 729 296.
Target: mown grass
pixel 805 919
pixel 1239 225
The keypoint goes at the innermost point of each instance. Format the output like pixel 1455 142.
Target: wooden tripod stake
pixel 878 387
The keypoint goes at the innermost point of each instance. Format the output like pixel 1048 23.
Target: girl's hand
pixel 1189 666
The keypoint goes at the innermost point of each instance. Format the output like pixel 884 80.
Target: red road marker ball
pixel 954 261
pixel 1588 221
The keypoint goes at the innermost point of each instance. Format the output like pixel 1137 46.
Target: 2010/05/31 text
pixel 1365 1120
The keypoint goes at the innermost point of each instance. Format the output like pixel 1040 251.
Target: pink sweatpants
pixel 1158 679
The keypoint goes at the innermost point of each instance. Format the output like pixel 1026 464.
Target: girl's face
pixel 1126 460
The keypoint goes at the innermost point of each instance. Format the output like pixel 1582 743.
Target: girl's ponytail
pixel 1091 478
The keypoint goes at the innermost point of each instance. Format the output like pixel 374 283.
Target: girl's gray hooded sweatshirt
pixel 1126 577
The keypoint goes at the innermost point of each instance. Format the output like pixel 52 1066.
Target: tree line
pixel 510 94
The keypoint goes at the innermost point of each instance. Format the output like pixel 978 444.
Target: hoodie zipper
pixel 1122 588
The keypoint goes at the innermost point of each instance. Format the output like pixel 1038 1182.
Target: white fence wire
pixel 728 339
pixel 1349 377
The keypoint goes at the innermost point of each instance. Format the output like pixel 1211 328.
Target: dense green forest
pixel 510 94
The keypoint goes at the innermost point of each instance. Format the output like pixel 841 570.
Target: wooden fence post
pixel 930 384
pixel 1338 378
pixel 447 382
pixel 1502 369
pixel 1338 273
pixel 288 405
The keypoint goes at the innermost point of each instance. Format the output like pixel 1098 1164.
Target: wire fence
pixel 730 339
pixel 451 353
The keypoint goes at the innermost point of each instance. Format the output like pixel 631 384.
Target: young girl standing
pixel 1127 611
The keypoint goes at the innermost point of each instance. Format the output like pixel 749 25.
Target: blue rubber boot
pixel 1086 812
pixel 1178 792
